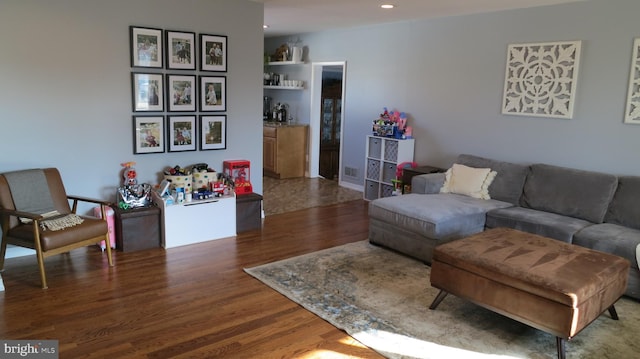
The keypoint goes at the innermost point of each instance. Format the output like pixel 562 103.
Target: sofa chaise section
pixel 409 224
pixel 416 223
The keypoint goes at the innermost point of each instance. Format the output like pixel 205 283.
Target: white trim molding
pixel 540 79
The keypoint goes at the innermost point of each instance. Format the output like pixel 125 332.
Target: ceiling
pixel 287 17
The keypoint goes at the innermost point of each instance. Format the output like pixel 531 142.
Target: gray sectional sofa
pixel 595 210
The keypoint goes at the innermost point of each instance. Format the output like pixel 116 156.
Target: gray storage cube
pixel 375 147
pixel 373 169
pixel 391 151
pixel 389 172
pixel 387 190
pixel 371 190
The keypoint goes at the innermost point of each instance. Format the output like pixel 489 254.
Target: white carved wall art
pixel 540 79
pixel 632 111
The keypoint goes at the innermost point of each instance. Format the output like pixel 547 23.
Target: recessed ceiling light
pixel 387 6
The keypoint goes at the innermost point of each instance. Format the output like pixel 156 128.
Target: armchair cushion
pixel 30 191
pixel 89 228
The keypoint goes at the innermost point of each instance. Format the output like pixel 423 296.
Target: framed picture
pixel 148 134
pixel 213 50
pixel 213 132
pixel 181 92
pixel 146 47
pixel 181 50
pixel 181 133
pixel 213 93
pixel 147 92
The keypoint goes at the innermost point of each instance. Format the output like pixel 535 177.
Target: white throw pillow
pixel 469 181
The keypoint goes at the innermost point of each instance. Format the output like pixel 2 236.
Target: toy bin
pixel 203 180
pixel 110 224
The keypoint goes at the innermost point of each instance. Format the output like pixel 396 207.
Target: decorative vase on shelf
pixel 296 54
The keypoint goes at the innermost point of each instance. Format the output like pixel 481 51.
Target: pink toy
pixel 110 225
pixel 408 132
pixel 400 168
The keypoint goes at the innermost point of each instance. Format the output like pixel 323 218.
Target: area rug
pixel 382 299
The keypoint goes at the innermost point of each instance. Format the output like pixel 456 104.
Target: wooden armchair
pixel 40 232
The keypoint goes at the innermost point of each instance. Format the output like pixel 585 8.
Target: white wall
pixel 65 86
pixel 448 75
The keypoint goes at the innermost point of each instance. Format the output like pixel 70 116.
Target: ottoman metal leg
pixel 438 299
pixel 560 344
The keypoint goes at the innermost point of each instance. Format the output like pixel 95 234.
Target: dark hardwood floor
pixel 187 302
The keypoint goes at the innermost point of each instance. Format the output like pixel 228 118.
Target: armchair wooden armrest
pixel 21 214
pixel 77 199
pixel 90 200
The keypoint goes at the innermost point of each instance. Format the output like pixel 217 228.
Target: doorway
pixel 327 103
pixel 330 122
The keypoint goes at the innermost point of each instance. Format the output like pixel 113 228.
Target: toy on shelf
pixel 132 194
pixel 239 173
pixel 129 174
pixel 195 182
pixel 391 124
pixel 203 194
pixel 218 188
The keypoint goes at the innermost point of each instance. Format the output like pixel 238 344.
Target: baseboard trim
pixel 15 251
pixel 353 186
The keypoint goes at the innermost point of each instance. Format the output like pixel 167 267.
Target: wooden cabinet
pixel 284 150
pixel 269 152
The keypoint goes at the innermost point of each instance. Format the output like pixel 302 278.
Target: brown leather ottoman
pixel 550 285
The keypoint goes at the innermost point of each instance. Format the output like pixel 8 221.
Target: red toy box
pixel 240 172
